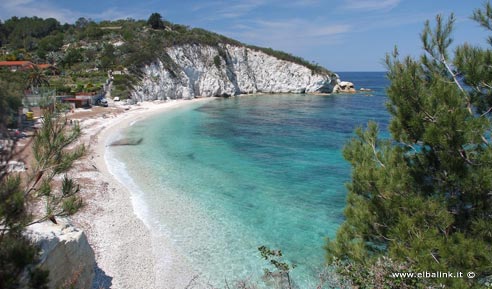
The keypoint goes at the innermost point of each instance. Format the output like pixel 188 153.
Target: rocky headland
pixel 203 71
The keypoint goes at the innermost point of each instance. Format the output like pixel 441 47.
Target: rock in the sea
pixel 344 87
pixel 127 142
pixel 65 252
pixel 199 70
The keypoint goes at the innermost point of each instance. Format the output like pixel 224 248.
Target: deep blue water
pixel 223 178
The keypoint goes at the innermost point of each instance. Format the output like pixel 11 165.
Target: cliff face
pixel 203 71
pixel 65 252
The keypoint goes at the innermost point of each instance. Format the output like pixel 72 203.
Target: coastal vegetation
pixel 420 201
pixel 84 51
pixel 11 87
pixel 23 196
pixel 281 274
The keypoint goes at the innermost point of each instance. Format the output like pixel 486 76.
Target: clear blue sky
pixel 342 35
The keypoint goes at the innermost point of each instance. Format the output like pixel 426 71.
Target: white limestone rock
pixel 65 252
pixel 240 70
pixel 344 87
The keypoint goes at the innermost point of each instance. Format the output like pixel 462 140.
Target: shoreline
pixel 125 247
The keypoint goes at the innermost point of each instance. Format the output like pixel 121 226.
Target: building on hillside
pixel 25 65
pixel 16 65
pixel 92 97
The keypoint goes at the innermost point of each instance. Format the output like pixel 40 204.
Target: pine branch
pixel 485 113
pixel 373 146
pixel 456 81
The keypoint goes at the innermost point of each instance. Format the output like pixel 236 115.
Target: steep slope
pixel 198 70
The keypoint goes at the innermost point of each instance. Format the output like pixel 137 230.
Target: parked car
pixel 102 102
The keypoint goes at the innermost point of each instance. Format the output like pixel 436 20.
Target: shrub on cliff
pixel 423 197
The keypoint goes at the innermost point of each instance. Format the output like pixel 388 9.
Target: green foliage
pixel 93 32
pixel 72 56
pixel 50 149
pixel 16 253
pixel 377 275
pixel 24 32
pixel 217 61
pixel 108 57
pixel 36 79
pixel 11 87
pixel 50 144
pixel 82 23
pixel 12 201
pixel 422 199
pixel 281 274
pixel 155 21
pixel 123 85
pixel 63 90
pixel 483 17
pixel 3 33
pixel 49 43
pixel 39 278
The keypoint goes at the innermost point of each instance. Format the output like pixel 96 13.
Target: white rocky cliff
pixel 65 252
pixel 203 71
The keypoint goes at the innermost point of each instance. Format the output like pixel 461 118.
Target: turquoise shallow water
pixel 223 178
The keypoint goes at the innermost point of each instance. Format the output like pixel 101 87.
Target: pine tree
pixel 155 21
pixel 423 198
pixel 17 194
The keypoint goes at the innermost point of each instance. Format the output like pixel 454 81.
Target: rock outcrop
pixel 344 87
pixel 65 252
pixel 202 71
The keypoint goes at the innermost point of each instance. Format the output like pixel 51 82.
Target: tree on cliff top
pixel 155 21
pixel 423 198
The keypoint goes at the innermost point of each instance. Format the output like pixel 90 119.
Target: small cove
pixel 223 178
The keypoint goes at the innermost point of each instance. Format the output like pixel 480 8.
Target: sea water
pixel 221 179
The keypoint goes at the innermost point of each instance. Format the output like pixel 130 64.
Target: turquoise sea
pixel 222 178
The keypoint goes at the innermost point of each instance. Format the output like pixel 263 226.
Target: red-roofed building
pixel 22 65
pixel 17 65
